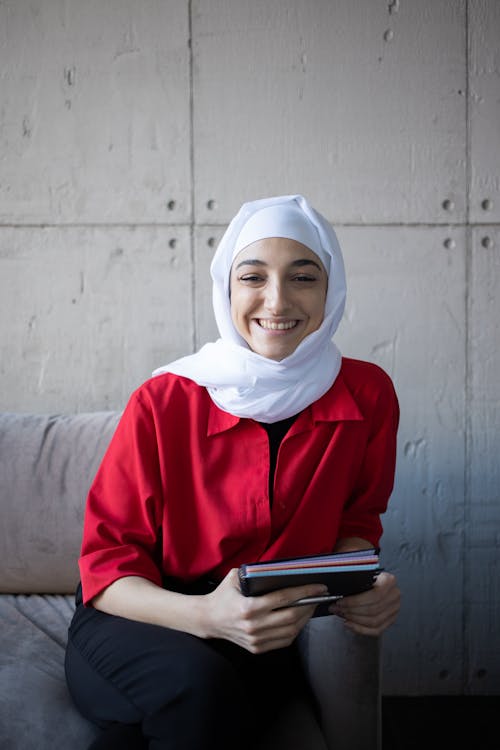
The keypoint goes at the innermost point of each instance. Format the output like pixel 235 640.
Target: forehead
pixel 276 251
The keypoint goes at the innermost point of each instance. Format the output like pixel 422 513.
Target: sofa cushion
pixel 37 711
pixel 47 464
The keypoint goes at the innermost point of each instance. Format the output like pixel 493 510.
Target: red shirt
pixel 183 491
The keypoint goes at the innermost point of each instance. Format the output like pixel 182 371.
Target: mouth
pixel 277 325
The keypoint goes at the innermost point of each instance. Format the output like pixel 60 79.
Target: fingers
pixel 276 599
pixel 276 629
pixel 259 623
pixel 267 622
pixel 369 623
pixel 274 611
pixel 371 612
pixel 276 606
pixel 384 592
pixel 286 597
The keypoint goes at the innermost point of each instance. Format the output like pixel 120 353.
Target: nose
pixel 276 301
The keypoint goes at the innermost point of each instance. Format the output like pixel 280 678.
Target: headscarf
pixel 239 380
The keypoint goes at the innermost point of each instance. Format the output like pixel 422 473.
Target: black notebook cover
pixel 343 573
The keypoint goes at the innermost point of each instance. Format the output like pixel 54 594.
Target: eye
pixel 304 277
pixel 251 278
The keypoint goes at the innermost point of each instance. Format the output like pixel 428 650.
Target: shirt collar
pixel 218 420
pixel 336 405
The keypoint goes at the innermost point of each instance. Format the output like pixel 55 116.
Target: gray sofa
pixel 46 466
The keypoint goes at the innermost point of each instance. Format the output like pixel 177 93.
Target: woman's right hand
pixel 254 622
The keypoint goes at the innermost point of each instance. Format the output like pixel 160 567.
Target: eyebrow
pixel 296 263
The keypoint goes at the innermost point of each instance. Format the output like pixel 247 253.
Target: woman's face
pixel 278 291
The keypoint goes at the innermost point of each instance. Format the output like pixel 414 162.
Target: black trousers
pixel 152 687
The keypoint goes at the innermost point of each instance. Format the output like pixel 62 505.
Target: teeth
pixel 277 326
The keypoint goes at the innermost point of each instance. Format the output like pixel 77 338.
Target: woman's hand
pixel 373 611
pixel 255 622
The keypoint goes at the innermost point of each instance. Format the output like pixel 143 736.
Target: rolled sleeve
pixel 361 514
pixel 123 510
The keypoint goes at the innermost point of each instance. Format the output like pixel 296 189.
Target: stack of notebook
pixel 344 573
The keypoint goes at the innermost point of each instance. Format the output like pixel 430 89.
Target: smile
pixel 275 326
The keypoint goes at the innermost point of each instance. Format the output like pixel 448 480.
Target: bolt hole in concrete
pixel 487 242
pixel 448 205
pixel 172 243
pixel 211 205
pixel 171 205
pixel 211 241
pixel 487 205
pixel 449 243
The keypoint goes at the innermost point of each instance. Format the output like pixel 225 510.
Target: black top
pixel 276 431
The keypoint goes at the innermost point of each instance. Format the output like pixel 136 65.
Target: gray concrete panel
pixel 94 112
pixel 361 106
pixel 484 110
pixel 87 313
pixel 482 530
pixel 206 241
pixel 406 312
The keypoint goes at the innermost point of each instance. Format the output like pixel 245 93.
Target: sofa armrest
pixel 343 670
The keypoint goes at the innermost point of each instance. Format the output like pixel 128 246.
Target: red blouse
pixel 183 490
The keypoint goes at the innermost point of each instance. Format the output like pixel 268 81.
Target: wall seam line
pixel 192 257
pixel 192 223
pixel 466 687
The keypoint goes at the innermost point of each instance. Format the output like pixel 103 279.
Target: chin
pixel 276 356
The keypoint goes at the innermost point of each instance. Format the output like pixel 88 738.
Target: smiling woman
pixel 278 293
pixel 244 380
pixel 264 444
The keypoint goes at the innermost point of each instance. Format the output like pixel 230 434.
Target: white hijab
pixel 239 380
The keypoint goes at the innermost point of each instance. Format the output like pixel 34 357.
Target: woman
pixel 263 445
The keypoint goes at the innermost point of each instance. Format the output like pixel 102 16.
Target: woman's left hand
pixel 373 611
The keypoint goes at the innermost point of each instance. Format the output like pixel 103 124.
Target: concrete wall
pixel 131 132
